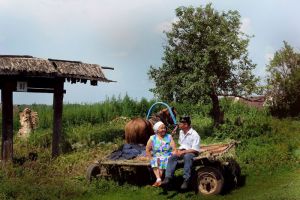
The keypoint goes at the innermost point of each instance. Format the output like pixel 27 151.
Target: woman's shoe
pixel 157 184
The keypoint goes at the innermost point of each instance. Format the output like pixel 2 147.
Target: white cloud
pixel 4 2
pixel 246 25
pixel 111 23
pixel 163 26
pixel 269 56
pixel 127 34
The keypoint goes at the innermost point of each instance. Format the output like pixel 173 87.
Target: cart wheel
pixel 210 181
pixel 92 172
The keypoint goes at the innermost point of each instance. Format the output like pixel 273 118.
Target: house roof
pixel 11 65
pixel 254 101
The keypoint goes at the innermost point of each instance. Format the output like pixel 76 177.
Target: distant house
pixel 253 101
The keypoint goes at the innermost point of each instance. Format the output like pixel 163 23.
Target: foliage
pixel 41 138
pixel 284 82
pixel 243 122
pixel 206 56
pixel 272 152
pixel 261 153
pixel 78 114
pixel 88 135
pixel 240 121
pixel 46 178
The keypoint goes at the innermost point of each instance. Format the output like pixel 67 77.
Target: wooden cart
pixel 215 170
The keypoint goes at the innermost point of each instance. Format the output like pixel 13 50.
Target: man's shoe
pixel 184 185
pixel 166 181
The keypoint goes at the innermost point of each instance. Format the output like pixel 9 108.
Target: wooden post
pixel 57 115
pixel 7 120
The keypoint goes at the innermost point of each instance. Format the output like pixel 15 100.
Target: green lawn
pixel 269 153
pixel 282 186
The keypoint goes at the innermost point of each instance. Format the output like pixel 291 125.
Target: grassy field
pixel 282 186
pixel 269 153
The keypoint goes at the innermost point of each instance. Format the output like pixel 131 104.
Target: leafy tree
pixel 205 56
pixel 284 82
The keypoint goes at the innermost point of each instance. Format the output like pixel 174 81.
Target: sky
pixel 127 35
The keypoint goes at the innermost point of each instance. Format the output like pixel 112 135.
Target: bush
pixel 41 138
pixel 271 152
pixel 90 135
pixel 243 122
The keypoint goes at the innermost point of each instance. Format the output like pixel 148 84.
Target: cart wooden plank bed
pixel 213 168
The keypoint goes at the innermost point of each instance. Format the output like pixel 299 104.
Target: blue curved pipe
pixel 169 108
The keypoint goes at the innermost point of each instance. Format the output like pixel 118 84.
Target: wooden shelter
pixel 30 74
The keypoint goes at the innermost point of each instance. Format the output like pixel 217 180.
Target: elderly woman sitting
pixel 159 148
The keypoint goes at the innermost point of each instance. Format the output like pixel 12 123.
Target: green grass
pixel 269 153
pixel 283 186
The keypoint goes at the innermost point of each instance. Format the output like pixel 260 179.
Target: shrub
pixel 243 122
pixel 41 138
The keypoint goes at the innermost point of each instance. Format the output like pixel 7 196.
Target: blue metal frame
pixel 169 108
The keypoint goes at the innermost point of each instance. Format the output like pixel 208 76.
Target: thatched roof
pixel 50 68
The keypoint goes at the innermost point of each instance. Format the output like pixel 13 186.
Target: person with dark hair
pixel 189 141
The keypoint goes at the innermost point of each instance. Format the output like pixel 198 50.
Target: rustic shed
pixel 30 74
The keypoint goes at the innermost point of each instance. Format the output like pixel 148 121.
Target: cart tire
pixel 210 181
pixel 92 172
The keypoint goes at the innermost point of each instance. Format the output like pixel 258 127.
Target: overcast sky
pixel 127 35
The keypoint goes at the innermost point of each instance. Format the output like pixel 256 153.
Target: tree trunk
pixel 217 114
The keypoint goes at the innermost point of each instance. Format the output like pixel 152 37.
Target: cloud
pixel 4 2
pixel 246 25
pixel 163 26
pixel 269 54
pixel 269 57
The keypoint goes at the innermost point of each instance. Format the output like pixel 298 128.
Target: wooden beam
pixel 111 68
pixel 7 120
pixel 57 116
pixel 41 90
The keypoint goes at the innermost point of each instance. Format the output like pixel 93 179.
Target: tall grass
pixel 92 131
pixel 78 114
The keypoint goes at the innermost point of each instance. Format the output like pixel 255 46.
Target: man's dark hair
pixel 185 119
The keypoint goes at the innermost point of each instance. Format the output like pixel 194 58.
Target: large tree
pixel 284 82
pixel 205 56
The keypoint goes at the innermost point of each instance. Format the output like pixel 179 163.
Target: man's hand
pixel 184 151
pixel 178 152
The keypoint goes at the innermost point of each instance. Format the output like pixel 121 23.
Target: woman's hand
pixel 149 158
pixel 175 152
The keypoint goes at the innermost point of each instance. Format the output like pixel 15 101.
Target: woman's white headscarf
pixel 156 126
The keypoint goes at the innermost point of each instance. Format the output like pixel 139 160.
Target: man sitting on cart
pixel 189 141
